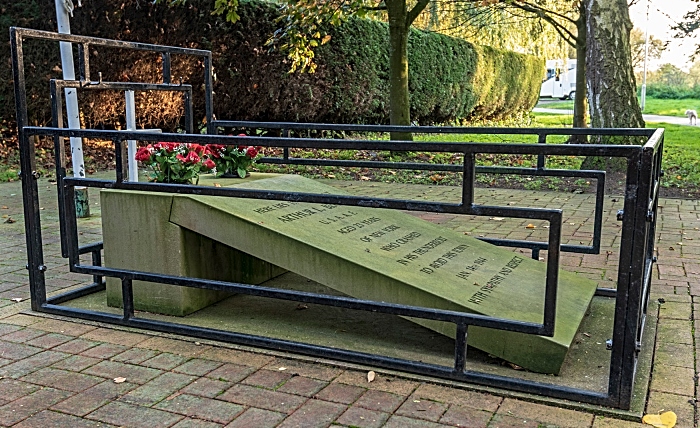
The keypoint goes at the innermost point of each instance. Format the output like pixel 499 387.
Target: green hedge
pixel 449 78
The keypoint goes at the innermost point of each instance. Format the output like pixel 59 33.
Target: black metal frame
pixel 636 250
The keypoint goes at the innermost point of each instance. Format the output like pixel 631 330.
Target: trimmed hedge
pixel 449 78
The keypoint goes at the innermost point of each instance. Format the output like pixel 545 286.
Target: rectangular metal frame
pixel 636 248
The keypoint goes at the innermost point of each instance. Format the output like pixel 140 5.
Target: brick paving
pixel 60 373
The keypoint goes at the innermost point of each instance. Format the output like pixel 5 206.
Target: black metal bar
pixel 76 294
pixel 127 298
pixel 550 294
pixel 84 62
pixel 189 114
pixel 32 218
pixel 285 151
pixel 320 143
pixel 122 86
pixel 461 348
pixel 96 261
pixel 209 94
pixel 452 208
pixel 121 160
pixel 468 179
pixel 91 248
pixel 640 268
pixel 433 129
pixel 619 355
pixel 27 33
pixel 541 139
pixel 166 67
pixel 598 212
pixel 71 223
pixel 60 159
pixel 319 299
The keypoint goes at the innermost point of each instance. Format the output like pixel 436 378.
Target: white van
pixel 560 79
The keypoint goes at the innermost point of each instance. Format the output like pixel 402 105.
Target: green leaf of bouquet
pixel 241 172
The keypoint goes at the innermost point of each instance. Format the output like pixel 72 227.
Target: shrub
pixel 449 78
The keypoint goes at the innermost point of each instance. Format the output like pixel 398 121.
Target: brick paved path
pixel 58 373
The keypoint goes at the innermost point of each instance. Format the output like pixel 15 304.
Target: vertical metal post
pixel 209 95
pixel 84 61
pixel 189 115
pixel 621 358
pixel 120 154
pixel 285 150
pixel 60 159
pixel 32 218
pixel 97 261
pixel 468 176
pixel 542 139
pixel 166 67
pixel 127 298
pixel 461 348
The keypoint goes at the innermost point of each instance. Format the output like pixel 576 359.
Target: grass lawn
pixel 681 158
pixel 653 106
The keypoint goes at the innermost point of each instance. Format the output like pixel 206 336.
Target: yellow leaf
pixel 370 376
pixel 530 226
pixel 664 420
pixel 119 379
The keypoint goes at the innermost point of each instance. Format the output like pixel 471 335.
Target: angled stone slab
pixel 391 256
pixel 138 235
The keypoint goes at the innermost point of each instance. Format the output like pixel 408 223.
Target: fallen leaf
pixel 10 220
pixel 370 376
pixel 302 306
pixel 217 185
pixel 364 178
pixel 282 369
pixel 497 218
pixel 4 207
pixel 530 226
pixel 664 420
pixel 671 248
pixel 330 176
pixel 119 379
pixel 17 299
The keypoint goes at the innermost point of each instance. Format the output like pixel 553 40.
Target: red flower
pixel 242 148
pixel 192 158
pixel 181 158
pixel 199 149
pixel 209 164
pixel 213 150
pixel 143 154
pixel 169 147
pixel 251 152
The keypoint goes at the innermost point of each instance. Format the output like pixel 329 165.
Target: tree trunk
pixel 612 90
pixel 399 104
pixel 580 105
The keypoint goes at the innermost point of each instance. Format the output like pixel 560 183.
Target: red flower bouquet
pixel 231 161
pixel 175 162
